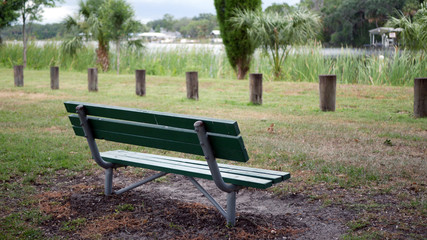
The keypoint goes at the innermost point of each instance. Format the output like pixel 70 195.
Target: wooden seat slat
pixel 284 175
pixel 193 164
pixel 186 170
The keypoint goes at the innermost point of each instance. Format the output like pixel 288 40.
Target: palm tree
pixel 105 21
pixel 277 33
pixel 414 33
pixel 117 17
pixel 87 25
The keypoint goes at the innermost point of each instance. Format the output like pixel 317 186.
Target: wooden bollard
pixel 192 82
pixel 255 85
pixel 420 97
pixel 140 82
pixel 18 72
pixel 92 79
pixel 54 77
pixel 327 92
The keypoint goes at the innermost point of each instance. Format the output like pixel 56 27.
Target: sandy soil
pixel 174 209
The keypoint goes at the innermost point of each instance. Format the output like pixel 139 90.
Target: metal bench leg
pixel 230 214
pixel 108 181
pixel 231 208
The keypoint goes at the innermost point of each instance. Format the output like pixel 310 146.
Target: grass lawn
pixel 369 156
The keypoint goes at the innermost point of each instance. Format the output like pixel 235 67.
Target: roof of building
pixel 382 30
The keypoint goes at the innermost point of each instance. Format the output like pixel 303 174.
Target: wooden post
pixel 54 77
pixel 192 82
pixel 327 92
pixel 420 97
pixel 255 85
pixel 92 78
pixel 140 82
pixel 18 72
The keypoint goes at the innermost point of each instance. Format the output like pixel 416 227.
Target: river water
pixel 220 49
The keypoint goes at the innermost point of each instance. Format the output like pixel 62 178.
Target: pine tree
pixel 238 45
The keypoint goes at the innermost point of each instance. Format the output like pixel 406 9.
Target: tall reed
pixel 304 64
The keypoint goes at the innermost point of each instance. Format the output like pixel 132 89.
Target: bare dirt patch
pixel 174 209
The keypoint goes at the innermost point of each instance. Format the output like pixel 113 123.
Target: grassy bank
pixel 368 157
pixel 398 69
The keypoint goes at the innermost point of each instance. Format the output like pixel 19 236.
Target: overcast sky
pixel 147 10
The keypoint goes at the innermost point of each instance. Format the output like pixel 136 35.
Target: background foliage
pixel 346 22
pixel 303 65
pixel 238 45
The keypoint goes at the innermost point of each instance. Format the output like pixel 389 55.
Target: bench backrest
pixel 160 130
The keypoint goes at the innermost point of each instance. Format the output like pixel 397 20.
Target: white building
pixel 388 36
pixel 216 36
pixel 162 37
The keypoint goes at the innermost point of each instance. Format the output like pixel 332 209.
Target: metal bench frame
pixel 230 189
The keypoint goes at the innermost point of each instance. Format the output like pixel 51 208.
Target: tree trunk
pixel 102 57
pixel 118 56
pixel 242 68
pixel 24 42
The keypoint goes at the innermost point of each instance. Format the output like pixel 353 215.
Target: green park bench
pixel 211 138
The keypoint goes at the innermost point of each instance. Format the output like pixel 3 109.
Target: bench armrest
pixel 90 139
pixel 210 158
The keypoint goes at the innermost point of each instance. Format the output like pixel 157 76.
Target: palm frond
pixel 71 46
pixel 275 33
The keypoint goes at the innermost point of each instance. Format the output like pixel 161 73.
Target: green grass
pixel 22 225
pixel 333 150
pixel 74 224
pixel 125 208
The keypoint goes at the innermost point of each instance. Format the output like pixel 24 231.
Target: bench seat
pixel 242 176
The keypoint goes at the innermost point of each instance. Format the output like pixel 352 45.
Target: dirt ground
pixel 172 208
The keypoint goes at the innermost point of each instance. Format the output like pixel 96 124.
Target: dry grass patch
pixel 28 97
pixel 109 224
pixel 55 204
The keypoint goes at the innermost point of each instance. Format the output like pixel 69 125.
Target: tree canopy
pixel 238 45
pixel 103 20
pixel 31 10
pixel 197 27
pixel 414 33
pixel 347 22
pixel 276 33
pixel 8 12
pixel 117 20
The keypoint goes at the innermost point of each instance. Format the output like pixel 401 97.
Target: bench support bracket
pixel 137 184
pixel 230 214
pixel 109 182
